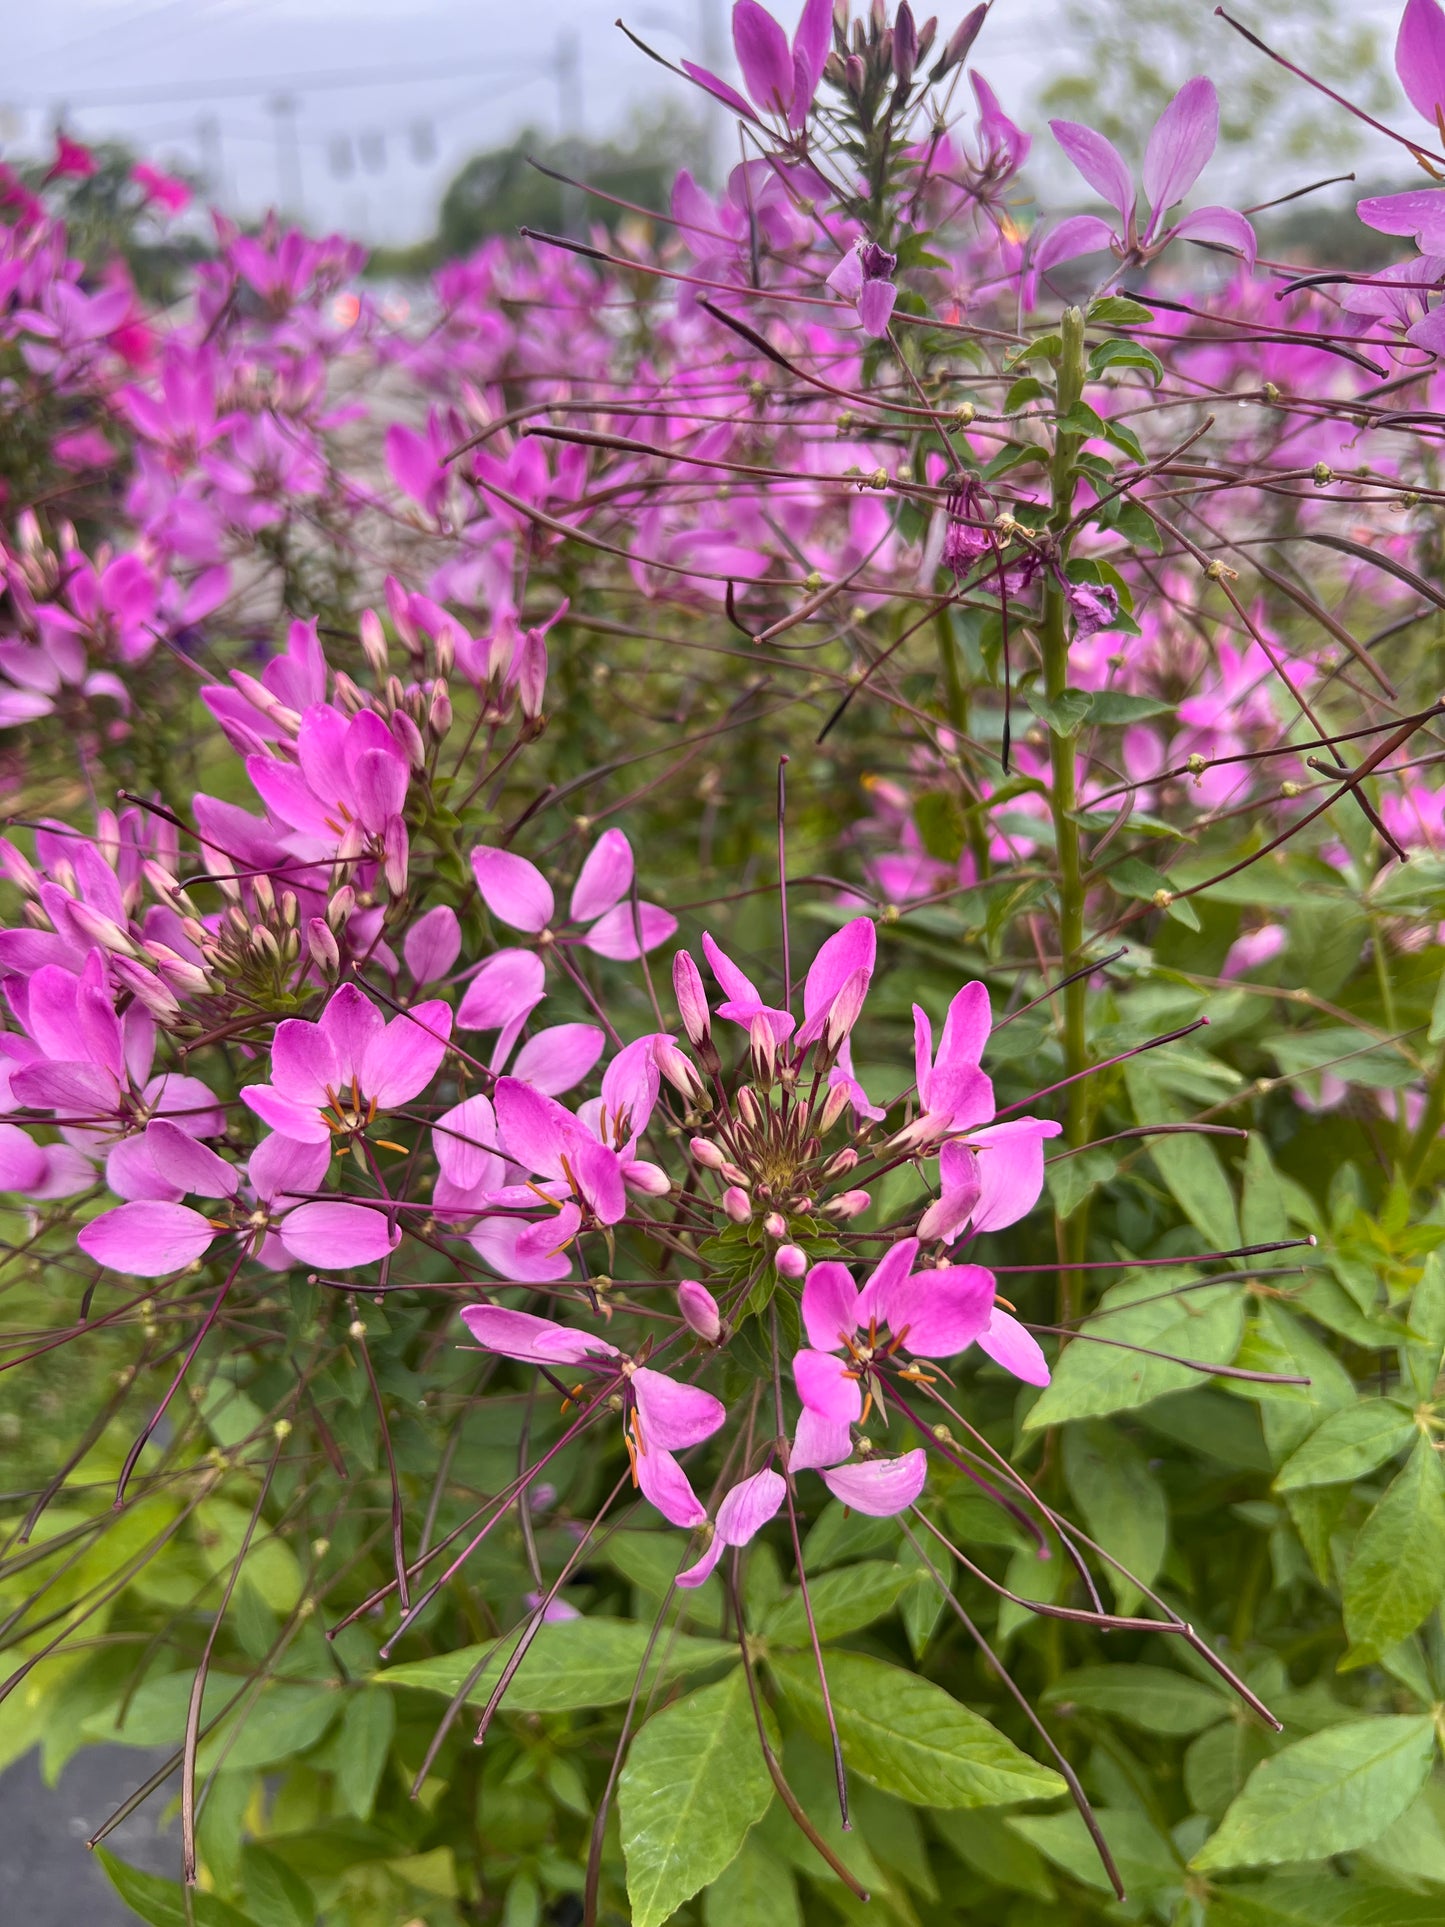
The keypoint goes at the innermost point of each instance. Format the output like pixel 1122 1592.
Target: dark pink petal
pixel 719 89
pixel 887 1278
pixel 1420 58
pixel 186 1101
pixel 846 280
pixel 287 795
pixel 402 1059
pixel 1080 234
pixel 819 1377
pixel 1010 1169
pixel 879 1487
pixel 433 944
pixel 850 949
pixel 1100 163
pixel 630 1085
pixel 22 1162
pixel 604 879
pixel 966 1027
pixel 378 785
pixel 1180 142
pixel 507 986
pixel 281 1167
pixel 536 1341
pixel 819 1441
pixel 514 890
pixel 616 934
pixel 1220 225
pixel 812 41
pixel 830 1306
pixel 763 55
pixel 938 1314
pixel 664 1484
pixel 78 1092
pixel 526 1252
pixel 674 1415
pixel 304 1063
pixel 701 1570
pixel 337 1234
pixel 353 1024
pixel 533 1130
pixel 464 1140
pixel 1008 1344
pixel 736 987
pixel 554 1060
pixel 875 307
pixel 597 1173
pixel 284 1114
pixel 147 1240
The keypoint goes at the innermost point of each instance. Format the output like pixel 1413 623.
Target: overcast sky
pixel 385 97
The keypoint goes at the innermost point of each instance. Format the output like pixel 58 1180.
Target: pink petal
pixel 536 1341
pixel 966 1027
pixel 352 1023
pixel 1010 1169
pixel 402 1059
pixel 464 1140
pixel 597 1170
pixel 604 879
pixel 1080 234
pixel 1419 211
pixel 282 1167
pixel 1180 142
pixel 527 1252
pixel 1018 1351
pixel 962 1188
pixel 433 945
pixel 664 1484
pixel 812 42
pixel 830 1306
pixel 1222 226
pixel 852 948
pixel 1099 161
pixel 875 307
pixel 304 1064
pixel 823 1387
pixel 846 280
pixel 673 1415
pixel 378 784
pixel 554 1060
pixel 23 1163
pixel 506 988
pixel 616 934
pixel 532 1129
pixel 888 1277
pixel 719 89
pixel 284 1114
pixel 337 1235
pixel 1420 57
pixel 819 1441
pixel 514 890
pixel 185 1162
pixel 763 55
pixel 940 1313
pixel 736 987
pixel 749 1506
pixel 147 1240
pixel 701 1570
pixel 879 1487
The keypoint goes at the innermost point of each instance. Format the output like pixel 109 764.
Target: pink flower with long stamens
pixel 331 1078
pixel 781 79
pixel 343 796
pixel 991 1177
pixel 518 895
pixel 660 1416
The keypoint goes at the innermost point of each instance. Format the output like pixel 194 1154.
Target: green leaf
pixel 693 1785
pixel 284 1718
pixel 1318 1901
pixel 571 1663
pixel 1145 1858
pixel 1149 1697
pixel 1075 1175
pixel 1396 1576
pixel 1064 714
pixel 366 1734
pixel 1124 354
pixel 1090 1380
pixel 1118 311
pixel 1123 1505
pixel 1126 439
pixel 908 1736
pixel 986 1842
pixel 754 1890
pixel 1436 1033
pixel 1327 1794
pixel 1189 1165
pixel 275 1892
pixel 1348 1445
pixel 1116 706
pixel 842 1602
pixel 1026 388
pixel 163 1902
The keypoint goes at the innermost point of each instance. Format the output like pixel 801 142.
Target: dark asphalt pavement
pixel 48 1877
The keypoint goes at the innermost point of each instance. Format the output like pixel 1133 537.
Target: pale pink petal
pixel 504 990
pixel 352 1023
pixel 1180 142
pixel 604 879
pixel 514 890
pixel 850 949
pixel 885 1281
pixel 665 1485
pixel 464 1140
pixel 337 1235
pixel 281 1167
pixel 819 1441
pixel 879 1487
pixel 875 307
pixel 1419 211
pixel 698 1307
pixel 1099 161
pixel 812 41
pixel 183 1161
pixel 962 1188
pixel 148 1239
pixel 532 1129
pixel 1017 1350
pixel 627 932
pixel 1220 225
pixel 285 1114
pixel 940 1313
pixel 819 1377
pixel 674 1415
pixel 701 1571
pixel 830 1306
pixel 304 1064
pixel 1080 234
pixel 536 1341
pixel 22 1161
pixel 433 945
pixel 763 55
pixel 524 1251
pixel 1010 1169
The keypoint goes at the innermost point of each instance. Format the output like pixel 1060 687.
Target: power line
pixel 269 84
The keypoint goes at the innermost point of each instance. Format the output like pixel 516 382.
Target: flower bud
pixel 776 1225
pixel 764 1048
pixel 373 642
pixel 404 729
pixel 749 1109
pixel 840 1162
pixel 905 45
pixel 342 907
pixel 707 1153
pixel 642 1175
pixel 439 711
pixel 699 1310
pixel 737 1204
pixel 960 42
pixel 834 1105
pixel 323 946
pixel 733 1172
pixel 691 998
pixel 397 850
pixel 676 1068
pixel 852 1204
pixel 100 928
pixel 145 988
pixel 791 1261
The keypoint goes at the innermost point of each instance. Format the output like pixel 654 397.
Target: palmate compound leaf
pixel 906 1735
pixel 571 1663
pixel 1327 1794
pixel 693 1785
pixel 1396 1575
pixel 1203 1323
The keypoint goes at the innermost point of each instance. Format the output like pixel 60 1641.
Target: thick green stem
pixel 956 692
pixel 1063 792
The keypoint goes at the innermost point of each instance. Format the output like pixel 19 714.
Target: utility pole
pixel 208 143
pixel 716 120
pixel 567 66
pixel 288 155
